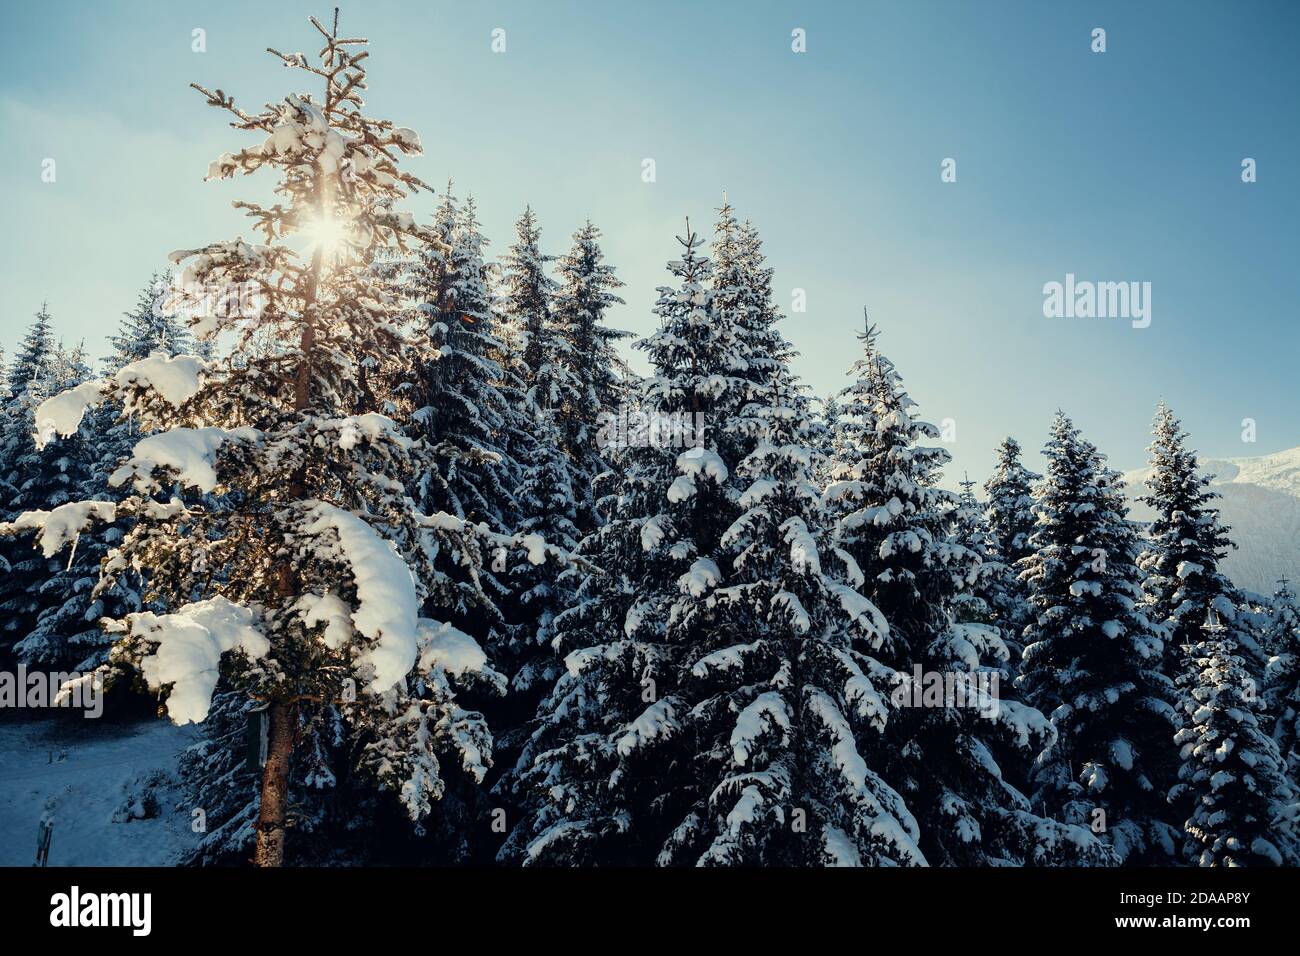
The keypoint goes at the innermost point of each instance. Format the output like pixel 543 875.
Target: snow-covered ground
pixel 91 776
pixel 1261 503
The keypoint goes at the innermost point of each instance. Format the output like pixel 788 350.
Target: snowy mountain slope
pixel 91 777
pixel 1261 504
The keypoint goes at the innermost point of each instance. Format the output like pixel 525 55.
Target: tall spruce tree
pixel 594 781
pixel 1282 677
pixel 1232 771
pixel 458 405
pixel 1093 659
pixel 28 478
pixel 780 684
pixel 941 752
pixel 1010 519
pixel 1182 581
pixel 584 295
pixel 313 581
pixel 65 632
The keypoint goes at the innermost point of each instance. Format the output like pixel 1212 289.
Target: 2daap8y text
pixel 1179 898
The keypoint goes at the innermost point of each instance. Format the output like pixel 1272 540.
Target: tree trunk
pixel 275 785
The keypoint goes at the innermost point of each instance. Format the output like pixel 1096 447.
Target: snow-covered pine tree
pixel 584 295
pixel 528 300
pixel 1279 631
pixel 1093 659
pixel 1282 677
pixel 549 487
pixel 312 578
pixel 1010 518
pixel 742 286
pixel 1186 541
pixel 24 479
pixel 976 603
pixel 942 753
pixel 66 632
pixel 458 406
pixel 1232 770
pixel 594 781
pixel 778 683
pixel 150 327
pixel 31 363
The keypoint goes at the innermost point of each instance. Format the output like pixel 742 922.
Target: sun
pixel 326 233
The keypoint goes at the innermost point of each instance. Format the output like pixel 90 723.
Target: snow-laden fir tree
pixel 458 406
pixel 528 301
pixel 1282 678
pixel 27 477
pixel 68 633
pixel 595 782
pixel 549 486
pixel 1278 631
pixel 742 287
pixel 977 602
pixel 584 294
pixel 1093 659
pixel 1186 542
pixel 32 361
pixel 1232 772
pixel 313 580
pixel 149 327
pixel 943 753
pixel 1010 519
pixel 65 633
pixel 778 683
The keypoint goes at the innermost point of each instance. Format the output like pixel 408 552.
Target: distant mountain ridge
pixel 1261 503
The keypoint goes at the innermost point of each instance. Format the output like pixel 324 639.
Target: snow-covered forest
pixel 380 511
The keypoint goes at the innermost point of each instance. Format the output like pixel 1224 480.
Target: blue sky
pixel 1120 166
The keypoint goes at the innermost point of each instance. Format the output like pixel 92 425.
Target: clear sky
pixel 1115 166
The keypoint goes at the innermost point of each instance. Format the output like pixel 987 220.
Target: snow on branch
pixel 173 379
pixel 190 644
pixel 60 415
pixel 189 452
pixel 387 609
pixel 62 525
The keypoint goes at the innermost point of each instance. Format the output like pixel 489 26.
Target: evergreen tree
pixel 1282 677
pixel 1093 659
pixel 1278 632
pixel 1231 769
pixel 942 753
pixel 458 406
pixel 1186 542
pixel 593 781
pixel 150 327
pixel 584 295
pixel 1010 520
pixel 65 631
pixel 27 479
pixel 529 294
pixel 779 684
pixel 31 363
pixel 312 581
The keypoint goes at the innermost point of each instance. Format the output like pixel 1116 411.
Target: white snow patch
pixel 387 606
pixel 61 414
pixel 62 525
pixel 190 644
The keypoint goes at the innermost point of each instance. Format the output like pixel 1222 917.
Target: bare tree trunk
pixel 275 784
